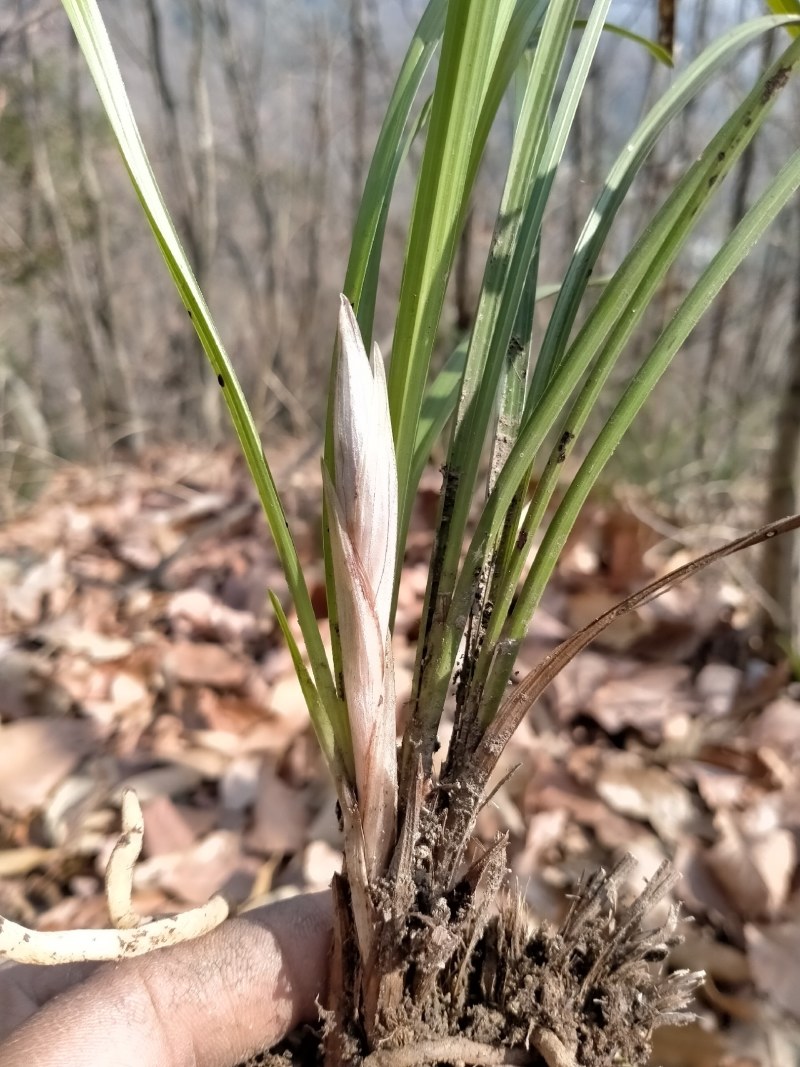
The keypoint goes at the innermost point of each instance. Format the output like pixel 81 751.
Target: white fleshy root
pixel 21 945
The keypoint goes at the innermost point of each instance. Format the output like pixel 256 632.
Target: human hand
pixel 211 1002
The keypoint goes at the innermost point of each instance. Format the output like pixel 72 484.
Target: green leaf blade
pixel 442 189
pixel 94 42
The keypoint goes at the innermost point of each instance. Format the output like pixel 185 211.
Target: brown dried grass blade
pixel 515 708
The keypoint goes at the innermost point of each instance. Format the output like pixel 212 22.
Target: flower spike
pixel 362 513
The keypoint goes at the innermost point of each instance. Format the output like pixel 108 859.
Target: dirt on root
pixel 455 974
pixel 587 993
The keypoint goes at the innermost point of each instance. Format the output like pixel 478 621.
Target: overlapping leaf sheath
pixel 362 511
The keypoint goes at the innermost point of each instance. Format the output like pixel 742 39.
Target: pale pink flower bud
pixel 362 512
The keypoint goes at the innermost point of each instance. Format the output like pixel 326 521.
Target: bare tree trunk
pixel 268 289
pixel 358 93
pixel 31 234
pixel 699 39
pixel 25 20
pixel 97 217
pixel 585 145
pixel 177 157
pixel 23 397
pixel 204 208
pixel 768 295
pixel 187 375
pixel 666 24
pixel 318 186
pixel 100 392
pixel 657 178
pixel 717 348
pixel 779 568
pixel 245 115
pixel 193 173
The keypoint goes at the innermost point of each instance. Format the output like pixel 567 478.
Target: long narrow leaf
pixel 442 394
pixel 90 31
pixel 619 180
pixel 535 155
pixel 504 543
pixel 741 241
pixel 624 299
pixel 656 50
pixel 438 405
pixel 673 220
pixel 390 150
pixel 522 30
pixel 314 704
pixel 617 312
pixel 522 26
pixel 787 7
pixel 722 266
pixel 471 29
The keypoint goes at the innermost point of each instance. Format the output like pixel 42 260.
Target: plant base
pixel 457 976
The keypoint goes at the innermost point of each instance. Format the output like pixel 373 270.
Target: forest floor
pixel 137 648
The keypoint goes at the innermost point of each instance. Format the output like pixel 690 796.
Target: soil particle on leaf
pixel 776 83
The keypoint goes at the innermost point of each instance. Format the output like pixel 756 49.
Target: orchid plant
pixel 416 905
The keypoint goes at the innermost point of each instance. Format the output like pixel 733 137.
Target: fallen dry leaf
pixel 280 819
pixel 754 871
pixel 778 727
pixel 774 955
pixel 193 875
pixel 240 784
pixel 585 606
pixel 320 863
pixel 650 794
pixel 718 786
pixel 166 828
pixel 15 861
pixel 37 754
pixel 700 951
pixel 688 1046
pixel 68 635
pixel 718 685
pixel 573 688
pixel 44 587
pixel 203 663
pixel 288 704
pixel 27 685
pixel 644 700
pixel 196 614
pixel 135 599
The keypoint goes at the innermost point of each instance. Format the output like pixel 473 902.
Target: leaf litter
pixel 137 647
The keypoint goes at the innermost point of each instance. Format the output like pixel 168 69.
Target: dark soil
pixel 589 993
pixel 455 978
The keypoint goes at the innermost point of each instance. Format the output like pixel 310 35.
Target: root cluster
pixel 457 976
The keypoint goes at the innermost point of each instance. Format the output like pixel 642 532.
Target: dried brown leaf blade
pixel 515 708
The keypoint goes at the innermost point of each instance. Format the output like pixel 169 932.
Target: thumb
pixel 208 1003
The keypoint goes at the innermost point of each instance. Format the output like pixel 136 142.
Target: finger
pixel 24 988
pixel 210 1003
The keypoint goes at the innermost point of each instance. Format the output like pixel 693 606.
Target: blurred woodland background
pixel 136 645
pixel 260 118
